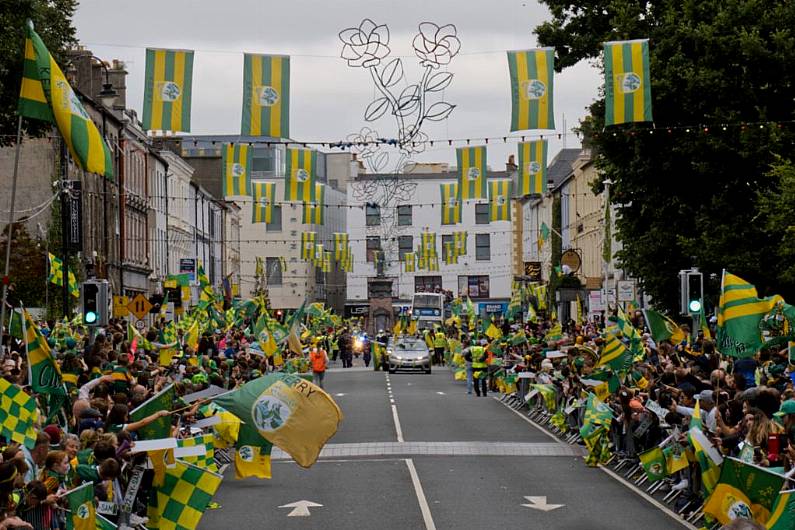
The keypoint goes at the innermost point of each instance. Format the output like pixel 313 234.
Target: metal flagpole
pixel 10 228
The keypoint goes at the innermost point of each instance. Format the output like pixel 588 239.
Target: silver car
pixel 408 353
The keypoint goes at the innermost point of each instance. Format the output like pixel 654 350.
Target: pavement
pixel 415 451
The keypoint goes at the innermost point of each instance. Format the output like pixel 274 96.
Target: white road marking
pixel 392 401
pixel 340 394
pixel 424 508
pixel 300 508
pixel 398 430
pixel 540 503
pixel 441 393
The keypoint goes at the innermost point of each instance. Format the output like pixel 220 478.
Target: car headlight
pixel 398 357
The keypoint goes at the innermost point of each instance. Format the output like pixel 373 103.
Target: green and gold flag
pixel 460 239
pixel 471 172
pixel 167 90
pixel 340 246
pixel 262 207
pixel 327 257
pixel 782 517
pixel 161 427
pixel 428 244
pixel 252 454
pixel 44 372
pixel 740 311
pixel 266 96
pixel 433 263
pixel 18 414
pixel 614 354
pixel 82 514
pixel 743 491
pixel 653 462
pixel 451 206
pixel 532 167
pixel 55 275
pixel 317 260
pixel 308 245
pixel 500 200
pixel 88 149
pixel 408 261
pixel 532 76
pixel 299 178
pixel 236 166
pixel 313 212
pixel 450 256
pixel 182 499
pixel 205 461
pixel 283 263
pixel 627 82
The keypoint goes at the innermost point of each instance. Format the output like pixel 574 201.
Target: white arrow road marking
pixel 441 393
pixel 540 503
pixel 300 508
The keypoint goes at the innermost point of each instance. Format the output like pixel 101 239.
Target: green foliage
pixel 776 206
pixel 53 22
pixel 28 270
pixel 686 198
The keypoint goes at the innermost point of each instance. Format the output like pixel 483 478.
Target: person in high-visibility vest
pixel 439 345
pixel 480 371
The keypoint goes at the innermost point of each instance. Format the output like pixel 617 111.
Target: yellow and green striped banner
pixel 266 96
pixel 341 246
pixel 627 82
pixel 433 263
pixel 167 90
pixel 428 244
pixel 451 206
pixel 262 207
pixel 317 259
pixel 326 265
pixel 408 261
pixel 471 172
pixel 532 79
pixel 88 149
pixel 347 263
pixel 299 178
pixel 314 211
pixel 450 255
pixel 500 200
pixel 32 101
pixel 308 245
pixel 236 167
pixel 460 240
pixel 533 167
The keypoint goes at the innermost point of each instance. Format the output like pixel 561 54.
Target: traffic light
pixel 692 291
pixel 94 297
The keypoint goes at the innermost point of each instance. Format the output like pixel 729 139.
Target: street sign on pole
pixel 139 306
pixel 120 306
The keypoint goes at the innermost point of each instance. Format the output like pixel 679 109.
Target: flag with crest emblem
pixel 500 200
pixel 266 96
pixel 236 167
pixel 262 207
pixel 532 167
pixel 167 90
pixel 299 178
pixel 532 76
pixel 627 82
pixel 451 206
pixel 471 172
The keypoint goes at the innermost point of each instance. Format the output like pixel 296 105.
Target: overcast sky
pixel 328 97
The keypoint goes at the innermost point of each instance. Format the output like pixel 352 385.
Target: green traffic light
pixel 90 317
pixel 695 306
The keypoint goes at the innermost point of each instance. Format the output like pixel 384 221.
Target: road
pixel 415 451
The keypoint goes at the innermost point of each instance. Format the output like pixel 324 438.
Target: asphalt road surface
pixel 415 451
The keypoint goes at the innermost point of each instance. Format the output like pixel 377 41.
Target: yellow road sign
pixel 139 306
pixel 120 306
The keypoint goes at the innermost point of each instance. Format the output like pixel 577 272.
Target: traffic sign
pixel 120 306
pixel 140 324
pixel 139 306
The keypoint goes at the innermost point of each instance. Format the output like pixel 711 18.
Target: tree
pixel 53 22
pixel 28 266
pixel 685 196
pixel 776 206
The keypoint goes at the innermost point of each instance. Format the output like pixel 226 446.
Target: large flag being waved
pixel 615 354
pixel 167 90
pixel 314 211
pixel 739 312
pixel 236 166
pixel 471 172
pixel 264 194
pixel 182 499
pixel 782 517
pixel 82 514
pixel 299 178
pixel 308 245
pixel 44 373
pixel 451 206
pixel 252 454
pixel 161 427
pixel 662 327
pixel 500 200
pixel 288 411
pixel 743 491
pixel 266 96
pixel 18 414
pixel 532 167
pixel 627 82
pixel 55 275
pixel 205 461
pixel 532 76
pixel 43 82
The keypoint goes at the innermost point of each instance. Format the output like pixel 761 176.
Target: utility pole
pixel 65 229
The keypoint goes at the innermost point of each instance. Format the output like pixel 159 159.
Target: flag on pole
pixel 471 172
pixel 19 414
pixel 205 461
pixel 266 96
pixel 82 514
pixel 653 462
pixel 236 165
pixel 451 206
pixel 532 76
pixel 299 178
pixel 43 77
pixel 740 311
pixel 500 200
pixel 308 245
pixel 45 374
pixel 313 212
pixel 55 275
pixel 782 517
pixel 614 354
pixel 532 167
pixel 167 90
pixel 161 427
pixel 262 207
pixel 662 327
pixel 627 82
pixel 460 239
pixel 703 325
pixel 182 499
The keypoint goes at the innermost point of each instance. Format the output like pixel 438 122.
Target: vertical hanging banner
pixel 451 206
pixel 408 260
pixel 500 200
pixel 471 172
pixel 314 211
pixel 308 245
pixel 627 82
pixel 460 239
pixel 299 178
pixel 236 165
pixel 167 90
pixel 266 96
pixel 532 76
pixel 450 255
pixel 341 246
pixel 262 207
pixel 533 167
pixel 428 244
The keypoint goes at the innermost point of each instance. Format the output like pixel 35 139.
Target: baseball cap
pixel 788 407
pixel 705 396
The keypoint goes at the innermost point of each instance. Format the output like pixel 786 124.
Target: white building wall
pixel 535 213
pixel 181 220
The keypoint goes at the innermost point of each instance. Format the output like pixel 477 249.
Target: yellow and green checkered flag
pixel 450 256
pixel 627 82
pixel 266 96
pixel 262 207
pixel 18 415
pixel 471 172
pixel 314 210
pixel 532 76
pixel 205 461
pixel 308 245
pixel 180 502
pixel 55 275
pixel 451 206
pixel 236 167
pixel 500 200
pixel 460 240
pixel 408 260
pixel 340 246
pixel 167 90
pixel 533 167
pixel 299 178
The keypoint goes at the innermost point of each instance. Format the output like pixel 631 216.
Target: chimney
pixel 511 166
pixel 117 74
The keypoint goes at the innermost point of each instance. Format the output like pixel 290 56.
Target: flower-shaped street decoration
pixel 436 46
pixel 366 45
